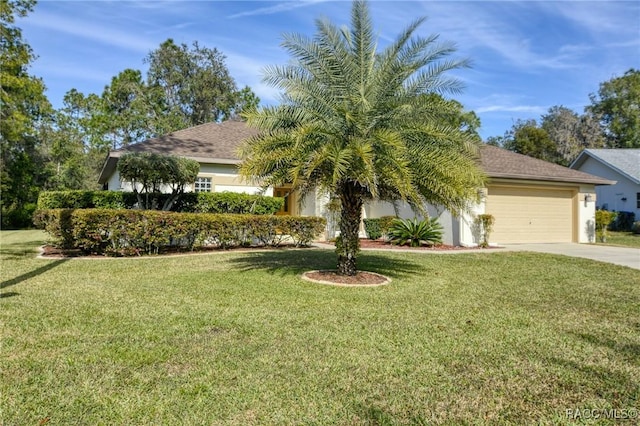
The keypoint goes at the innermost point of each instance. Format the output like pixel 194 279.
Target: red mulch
pixel 361 278
pixel 49 251
pixel 366 243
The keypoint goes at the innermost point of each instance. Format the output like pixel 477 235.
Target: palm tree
pixel 364 125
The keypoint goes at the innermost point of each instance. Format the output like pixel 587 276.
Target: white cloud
pixel 91 31
pixel 528 109
pixel 278 8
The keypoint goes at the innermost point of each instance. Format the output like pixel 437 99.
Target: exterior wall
pixel 586 214
pixel 610 196
pixel 224 177
pixel 375 209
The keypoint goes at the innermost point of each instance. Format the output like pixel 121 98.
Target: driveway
pixel 618 255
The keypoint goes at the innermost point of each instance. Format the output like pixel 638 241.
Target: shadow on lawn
pixel 295 262
pixel 31 274
pixel 630 351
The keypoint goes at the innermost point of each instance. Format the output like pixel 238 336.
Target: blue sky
pixel 527 56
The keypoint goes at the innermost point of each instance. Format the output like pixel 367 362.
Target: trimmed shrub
pixel 378 227
pixel 136 232
pixel 57 223
pixel 623 221
pixel 200 202
pixel 80 199
pixel 635 228
pixel 372 228
pixel 416 233
pixel 238 203
pixel 603 220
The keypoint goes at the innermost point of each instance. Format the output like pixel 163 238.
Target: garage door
pixel 528 215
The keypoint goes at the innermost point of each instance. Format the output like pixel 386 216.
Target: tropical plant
pixel 427 232
pixel 363 124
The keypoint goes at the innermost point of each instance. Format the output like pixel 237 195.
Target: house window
pixel 202 184
pixel 638 200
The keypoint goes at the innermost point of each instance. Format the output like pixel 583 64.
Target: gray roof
pixel 207 143
pixel 218 143
pixel 501 163
pixel 624 161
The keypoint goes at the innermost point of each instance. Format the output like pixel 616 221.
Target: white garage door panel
pixel 527 215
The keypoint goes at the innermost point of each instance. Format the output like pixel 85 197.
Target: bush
pixel 372 228
pixel 623 221
pixel 233 202
pixel 635 228
pixel 603 220
pixel 84 200
pixel 14 217
pixel 200 202
pixel 378 227
pixel 136 232
pixel 416 233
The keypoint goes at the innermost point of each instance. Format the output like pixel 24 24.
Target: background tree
pixel 560 137
pixel 356 124
pixel 571 133
pixel 195 83
pixel 527 138
pixel 24 109
pixel 127 111
pixel 618 104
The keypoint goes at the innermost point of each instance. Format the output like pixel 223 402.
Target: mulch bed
pixel 55 252
pixel 366 243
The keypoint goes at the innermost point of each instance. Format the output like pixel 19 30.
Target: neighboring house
pixel 621 165
pixel 532 200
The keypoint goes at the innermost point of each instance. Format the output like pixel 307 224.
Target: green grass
pixel 623 239
pixel 237 338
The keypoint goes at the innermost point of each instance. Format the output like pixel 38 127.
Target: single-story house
pixel 532 200
pixel 621 165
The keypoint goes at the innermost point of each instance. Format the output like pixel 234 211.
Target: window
pixel 638 200
pixel 202 184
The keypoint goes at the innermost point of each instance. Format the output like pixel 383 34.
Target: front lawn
pixel 624 239
pixel 237 338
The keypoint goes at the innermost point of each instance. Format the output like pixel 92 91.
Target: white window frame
pixel 203 184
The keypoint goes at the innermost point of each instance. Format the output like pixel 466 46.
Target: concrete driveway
pixel 617 255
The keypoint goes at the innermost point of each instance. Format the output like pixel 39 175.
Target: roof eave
pixel 586 153
pixel 552 179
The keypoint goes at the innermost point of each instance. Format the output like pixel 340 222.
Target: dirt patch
pixel 361 279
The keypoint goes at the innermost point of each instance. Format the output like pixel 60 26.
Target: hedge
pixel 134 232
pixel 200 202
pixel 378 227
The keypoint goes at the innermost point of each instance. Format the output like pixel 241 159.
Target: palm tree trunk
pixel 348 244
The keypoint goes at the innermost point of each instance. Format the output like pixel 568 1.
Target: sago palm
pixel 362 124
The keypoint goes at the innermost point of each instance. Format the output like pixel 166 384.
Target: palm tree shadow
pixel 32 274
pixel 295 262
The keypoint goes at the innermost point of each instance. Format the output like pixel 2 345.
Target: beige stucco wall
pixel 582 210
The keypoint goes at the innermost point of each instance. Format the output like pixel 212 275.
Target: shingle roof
pixel 206 143
pixel 624 161
pixel 501 163
pixel 218 143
